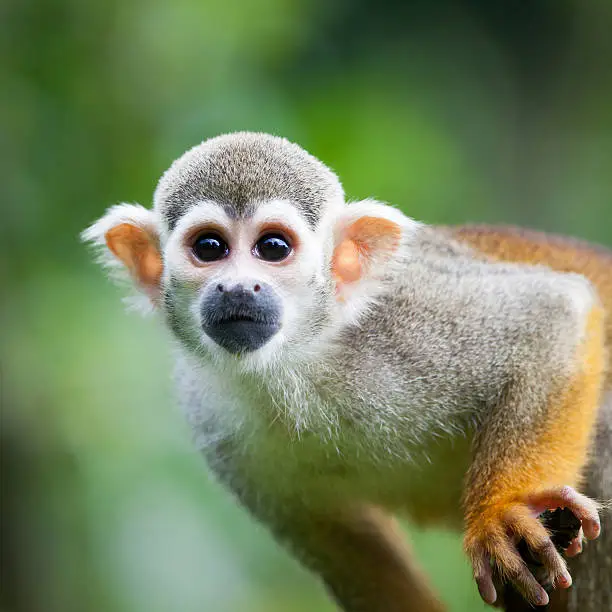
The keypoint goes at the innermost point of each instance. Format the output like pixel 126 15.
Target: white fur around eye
pixel 280 211
pixel 176 253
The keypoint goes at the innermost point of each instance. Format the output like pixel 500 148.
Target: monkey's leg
pixel 361 557
pixel 592 570
pixel 546 441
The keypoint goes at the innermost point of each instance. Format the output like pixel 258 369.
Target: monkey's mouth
pixel 241 332
pixel 237 318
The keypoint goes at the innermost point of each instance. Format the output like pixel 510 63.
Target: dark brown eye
pixel 272 247
pixel 210 247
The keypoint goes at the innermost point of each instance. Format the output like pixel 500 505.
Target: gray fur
pixel 388 407
pixel 240 170
pixel 445 339
pixel 371 417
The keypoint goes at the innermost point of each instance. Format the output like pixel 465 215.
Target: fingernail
pixel 488 593
pixel 593 532
pixel 565 580
pixel 542 598
pixel 596 529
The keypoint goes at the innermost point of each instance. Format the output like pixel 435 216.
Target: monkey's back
pixel 559 253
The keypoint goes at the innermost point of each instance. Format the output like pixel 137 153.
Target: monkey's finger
pixel 583 508
pixel 508 564
pixel 552 561
pixel 575 547
pixel 484 578
pixel 537 538
pixel 514 568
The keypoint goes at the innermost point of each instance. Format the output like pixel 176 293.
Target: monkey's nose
pixel 238 290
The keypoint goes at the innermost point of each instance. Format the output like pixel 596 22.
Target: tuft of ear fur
pixel 366 236
pixel 126 242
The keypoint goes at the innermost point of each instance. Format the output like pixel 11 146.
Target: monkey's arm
pixel 360 556
pixel 595 262
pixel 529 447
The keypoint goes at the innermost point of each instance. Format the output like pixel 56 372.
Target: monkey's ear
pixel 127 240
pixel 366 236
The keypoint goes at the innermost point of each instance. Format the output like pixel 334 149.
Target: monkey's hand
pixel 491 540
pixel 584 509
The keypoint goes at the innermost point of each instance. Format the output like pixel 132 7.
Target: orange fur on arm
pixel 517 456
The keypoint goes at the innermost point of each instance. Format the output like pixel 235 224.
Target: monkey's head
pixel 250 250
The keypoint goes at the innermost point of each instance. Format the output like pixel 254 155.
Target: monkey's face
pixel 250 251
pixel 243 284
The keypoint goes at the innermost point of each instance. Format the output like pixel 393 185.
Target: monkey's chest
pixel 424 482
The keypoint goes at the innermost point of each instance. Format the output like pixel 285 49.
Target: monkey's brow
pixel 244 210
pixel 175 210
pixel 240 210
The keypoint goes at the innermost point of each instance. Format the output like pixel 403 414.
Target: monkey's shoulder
pixel 560 253
pixel 470 321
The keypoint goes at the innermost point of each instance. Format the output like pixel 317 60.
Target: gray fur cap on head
pixel 242 169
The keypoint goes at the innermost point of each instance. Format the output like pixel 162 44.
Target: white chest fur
pixel 314 453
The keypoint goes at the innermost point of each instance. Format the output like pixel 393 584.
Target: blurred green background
pixel 455 111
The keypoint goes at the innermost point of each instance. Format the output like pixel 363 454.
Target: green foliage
pixel 453 111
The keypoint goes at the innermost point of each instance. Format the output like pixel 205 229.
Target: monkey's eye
pixel 210 247
pixel 272 247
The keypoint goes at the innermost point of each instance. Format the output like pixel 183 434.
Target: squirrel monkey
pixel 341 363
